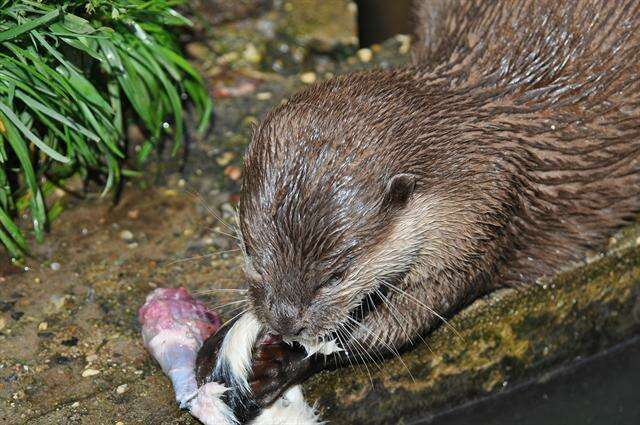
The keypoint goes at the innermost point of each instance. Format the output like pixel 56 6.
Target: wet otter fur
pixel 374 203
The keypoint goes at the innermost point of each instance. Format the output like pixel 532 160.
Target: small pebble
pixel 250 120
pixel 225 158
pixel 121 388
pixel 133 214
pixel 265 95
pixel 228 57
pixel 91 358
pixel 6 306
pixel 43 326
pixel 197 50
pixel 119 423
pixel 364 54
pixel 71 342
pixel 90 372
pixel 308 77
pixel 233 172
pixel 59 301
pixel 251 54
pixel 61 360
pixel 55 266
pixel 75 405
pixel 126 235
pixel 405 43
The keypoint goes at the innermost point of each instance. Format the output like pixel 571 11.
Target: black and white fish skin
pixel 233 366
pixel 174 338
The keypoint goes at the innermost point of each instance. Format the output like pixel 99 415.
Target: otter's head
pixel 323 189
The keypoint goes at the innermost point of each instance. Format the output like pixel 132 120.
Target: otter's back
pixel 520 36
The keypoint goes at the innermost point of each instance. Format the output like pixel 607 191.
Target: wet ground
pixel 70 350
pixel 70 341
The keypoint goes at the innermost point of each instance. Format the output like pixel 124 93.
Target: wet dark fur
pixel 521 118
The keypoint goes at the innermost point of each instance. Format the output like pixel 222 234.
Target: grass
pixel 72 75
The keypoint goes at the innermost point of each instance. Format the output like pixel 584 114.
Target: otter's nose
pixel 287 326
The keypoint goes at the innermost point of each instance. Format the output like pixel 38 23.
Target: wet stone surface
pixel 70 348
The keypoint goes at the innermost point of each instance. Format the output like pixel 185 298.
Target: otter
pixel 376 204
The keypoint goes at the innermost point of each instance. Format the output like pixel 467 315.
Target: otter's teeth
pixel 322 347
pixel 289 341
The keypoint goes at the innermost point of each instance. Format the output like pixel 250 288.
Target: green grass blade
pixel 13 230
pixel 174 98
pixel 73 74
pixel 29 25
pixel 29 135
pixel 6 240
pixel 20 148
pixel 56 116
pixel 77 81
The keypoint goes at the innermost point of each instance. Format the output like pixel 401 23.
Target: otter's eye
pixel 333 280
pixel 249 267
pixel 248 251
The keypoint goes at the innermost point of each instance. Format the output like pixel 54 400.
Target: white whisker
pixel 204 203
pixel 221 306
pixel 200 257
pixel 391 348
pixel 234 317
pixel 395 314
pixel 212 290
pixel 229 235
pixel 421 304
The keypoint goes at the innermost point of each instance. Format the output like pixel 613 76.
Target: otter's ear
pixel 398 191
